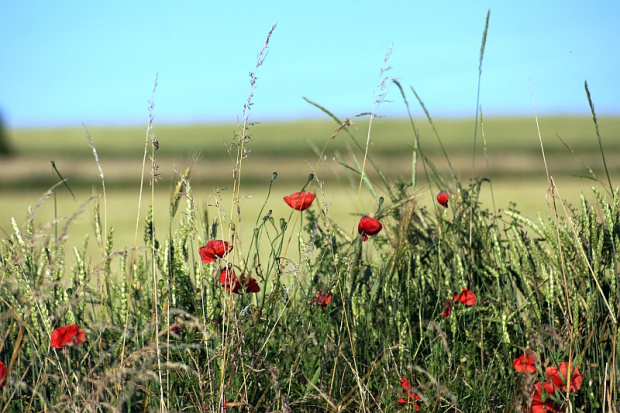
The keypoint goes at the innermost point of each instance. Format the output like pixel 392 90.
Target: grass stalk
pixel 598 135
pixel 473 158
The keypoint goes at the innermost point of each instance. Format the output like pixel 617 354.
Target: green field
pixel 515 165
pixel 297 137
pixel 291 149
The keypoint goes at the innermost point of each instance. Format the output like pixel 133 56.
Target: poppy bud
pixel 443 198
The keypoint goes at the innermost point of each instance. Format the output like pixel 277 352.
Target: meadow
pixel 291 148
pixel 364 264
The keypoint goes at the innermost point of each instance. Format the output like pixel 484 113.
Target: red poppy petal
pixel 3 376
pixel 368 226
pixel 323 299
pixel 466 297
pixel 213 250
pixel 404 383
pixel 447 310
pixel 300 200
pixel 252 286
pixel 67 336
pixel 328 299
pixel 237 287
pixel 227 278
pixel 559 376
pixel 524 364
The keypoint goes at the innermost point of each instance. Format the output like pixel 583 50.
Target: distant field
pixel 290 148
pixel 390 136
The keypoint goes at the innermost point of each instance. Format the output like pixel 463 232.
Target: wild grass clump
pixel 449 307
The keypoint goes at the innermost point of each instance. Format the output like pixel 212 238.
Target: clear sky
pixel 74 62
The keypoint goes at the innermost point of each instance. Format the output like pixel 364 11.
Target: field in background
pixel 338 322
pixel 291 148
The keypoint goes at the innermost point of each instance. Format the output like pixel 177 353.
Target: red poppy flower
pixel 300 200
pixel 466 297
pixel 443 198
pixel 231 283
pixel 227 278
pixel 251 286
pixel 368 226
pixel 541 400
pixel 524 364
pixel 412 397
pixel 3 377
pixel 558 376
pixel 322 299
pixel 67 336
pixel 447 310
pixel 175 329
pixel 213 250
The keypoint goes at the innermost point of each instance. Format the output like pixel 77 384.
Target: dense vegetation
pixel 446 307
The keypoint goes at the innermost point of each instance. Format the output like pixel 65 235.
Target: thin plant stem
pixel 473 161
pixel 598 135
pixel 135 241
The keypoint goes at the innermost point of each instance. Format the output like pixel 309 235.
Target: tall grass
pixel 163 333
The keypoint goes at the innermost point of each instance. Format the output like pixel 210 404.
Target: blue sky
pixel 74 62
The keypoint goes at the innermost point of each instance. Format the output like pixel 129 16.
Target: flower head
pixel 213 250
pixel 322 298
pixel 466 297
pixel 443 198
pixel 368 226
pixel 300 200
pixel 541 401
pixel 251 286
pixel 525 363
pixel 412 397
pixel 3 377
pixel 229 280
pixel 67 336
pixel 559 375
